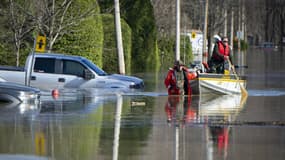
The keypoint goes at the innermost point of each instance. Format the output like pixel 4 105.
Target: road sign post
pixel 40 43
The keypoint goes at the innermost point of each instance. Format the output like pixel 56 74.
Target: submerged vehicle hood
pixel 8 86
pixel 138 83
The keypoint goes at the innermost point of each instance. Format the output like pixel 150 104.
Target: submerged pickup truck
pixel 48 71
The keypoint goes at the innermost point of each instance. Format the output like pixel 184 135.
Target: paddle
pixel 243 90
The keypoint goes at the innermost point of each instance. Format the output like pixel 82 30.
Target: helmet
pixel 217 37
pixel 177 65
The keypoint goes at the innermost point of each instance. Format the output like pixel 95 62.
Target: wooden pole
pixel 232 29
pixel 177 49
pixel 226 22
pixel 119 38
pixel 205 55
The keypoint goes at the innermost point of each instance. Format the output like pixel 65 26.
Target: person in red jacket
pixel 221 55
pixel 171 82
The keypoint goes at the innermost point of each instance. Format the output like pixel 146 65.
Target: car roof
pixel 59 56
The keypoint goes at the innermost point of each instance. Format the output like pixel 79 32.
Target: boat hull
pixel 208 83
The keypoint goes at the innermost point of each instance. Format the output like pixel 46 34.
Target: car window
pixel 73 68
pixel 45 65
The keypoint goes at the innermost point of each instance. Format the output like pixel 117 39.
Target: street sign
pixel 40 43
pixel 193 35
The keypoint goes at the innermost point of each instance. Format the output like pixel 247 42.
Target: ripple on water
pixel 268 92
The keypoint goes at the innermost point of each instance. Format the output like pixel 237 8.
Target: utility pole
pixel 239 28
pixel 226 22
pixel 205 55
pixel 119 38
pixel 243 21
pixel 232 29
pixel 177 49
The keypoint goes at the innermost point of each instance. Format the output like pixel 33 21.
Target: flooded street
pixel 150 125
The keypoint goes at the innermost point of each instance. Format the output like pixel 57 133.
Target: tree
pixel 140 16
pixel 20 24
pixel 57 18
pixel 110 58
pixel 85 37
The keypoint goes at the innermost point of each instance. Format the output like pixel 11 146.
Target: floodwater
pixel 150 125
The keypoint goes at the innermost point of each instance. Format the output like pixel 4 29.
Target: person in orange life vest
pixel 173 89
pixel 217 40
pixel 171 83
pixel 170 80
pixel 188 76
pixel 221 55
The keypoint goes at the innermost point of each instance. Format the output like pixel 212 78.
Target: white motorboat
pixel 210 83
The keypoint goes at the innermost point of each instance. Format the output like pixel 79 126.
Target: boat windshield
pixel 95 68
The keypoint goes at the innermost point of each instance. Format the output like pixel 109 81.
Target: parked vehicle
pixel 16 93
pixel 50 71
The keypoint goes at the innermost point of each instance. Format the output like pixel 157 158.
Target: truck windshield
pixel 95 68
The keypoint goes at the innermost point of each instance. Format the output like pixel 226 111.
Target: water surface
pixel 150 125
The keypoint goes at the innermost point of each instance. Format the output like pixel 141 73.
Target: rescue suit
pixel 171 82
pixel 218 57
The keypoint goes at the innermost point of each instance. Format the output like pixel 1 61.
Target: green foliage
pixel 106 6
pixel 243 45
pixel 167 51
pixel 153 59
pixel 86 39
pixel 140 16
pixel 110 55
pixel 21 25
pixel 186 50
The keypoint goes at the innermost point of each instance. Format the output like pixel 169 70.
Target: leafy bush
pixel 85 39
pixel 110 54
pixel 140 17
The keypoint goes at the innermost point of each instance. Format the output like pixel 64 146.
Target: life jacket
pixel 224 50
pixel 170 82
pixel 190 75
pixel 170 78
pixel 187 77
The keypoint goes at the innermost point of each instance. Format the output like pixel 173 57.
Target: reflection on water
pixel 267 92
pixel 100 124
pixel 204 109
pixel 214 113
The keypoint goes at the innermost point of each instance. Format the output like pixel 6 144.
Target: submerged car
pixel 16 93
pixel 48 71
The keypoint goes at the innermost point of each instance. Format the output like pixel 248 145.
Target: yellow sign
pixel 40 144
pixel 40 44
pixel 193 35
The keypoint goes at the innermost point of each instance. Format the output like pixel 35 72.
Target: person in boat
pixel 221 54
pixel 171 81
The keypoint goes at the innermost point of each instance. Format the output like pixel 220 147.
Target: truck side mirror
pixel 88 74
